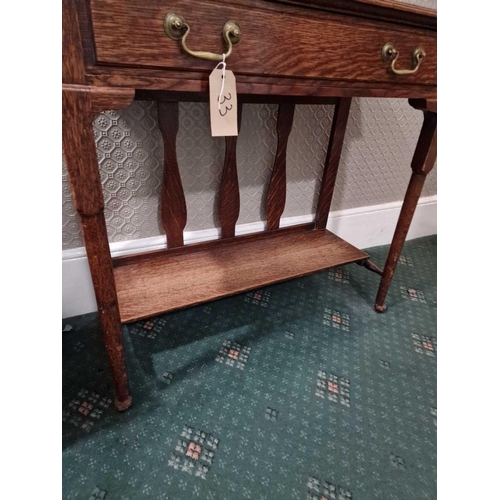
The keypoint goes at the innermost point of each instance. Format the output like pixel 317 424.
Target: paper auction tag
pixel 223 103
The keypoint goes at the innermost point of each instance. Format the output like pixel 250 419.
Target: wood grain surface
pixel 173 282
pixel 332 161
pixel 173 201
pixel 165 95
pixel 83 172
pixel 291 49
pixel 276 41
pixel 384 10
pixel 197 82
pixel 73 68
pixel 104 98
pixel 111 98
pixel 276 193
pixel 151 255
pixel 422 163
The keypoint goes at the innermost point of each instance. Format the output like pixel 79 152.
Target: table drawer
pixel 276 42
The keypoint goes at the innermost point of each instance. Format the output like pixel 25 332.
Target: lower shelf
pixel 168 282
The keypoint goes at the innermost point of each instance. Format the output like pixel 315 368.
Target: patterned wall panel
pixel 255 153
pixel 429 4
pixel 379 143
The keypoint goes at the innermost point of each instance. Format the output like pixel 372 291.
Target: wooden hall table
pixel 284 51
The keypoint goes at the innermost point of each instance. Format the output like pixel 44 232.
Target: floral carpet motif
pixel 296 391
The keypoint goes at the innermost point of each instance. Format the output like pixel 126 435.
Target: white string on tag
pixel 223 62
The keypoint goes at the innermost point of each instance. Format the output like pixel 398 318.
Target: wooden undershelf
pixel 170 280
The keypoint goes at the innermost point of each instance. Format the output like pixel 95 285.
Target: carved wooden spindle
pixel 422 163
pixel 334 151
pixel 276 195
pixel 80 104
pixel 173 202
pixel 229 194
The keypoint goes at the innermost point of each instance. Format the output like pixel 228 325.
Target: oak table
pixel 287 52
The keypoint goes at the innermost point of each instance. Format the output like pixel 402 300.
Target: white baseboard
pixel 367 227
pixel 364 227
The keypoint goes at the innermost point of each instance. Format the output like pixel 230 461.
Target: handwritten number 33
pixel 228 108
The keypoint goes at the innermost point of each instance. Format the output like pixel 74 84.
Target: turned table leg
pixel 422 163
pixel 79 106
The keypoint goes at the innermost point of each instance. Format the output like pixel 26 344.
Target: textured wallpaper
pixel 375 165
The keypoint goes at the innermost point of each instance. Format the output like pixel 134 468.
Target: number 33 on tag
pixel 223 118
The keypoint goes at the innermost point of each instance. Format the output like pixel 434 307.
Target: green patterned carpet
pixel 296 391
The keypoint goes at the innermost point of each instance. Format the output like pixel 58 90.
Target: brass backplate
pixel 389 52
pixel 175 26
pixel 232 30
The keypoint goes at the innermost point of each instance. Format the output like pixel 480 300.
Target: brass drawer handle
pixel 389 53
pixel 177 29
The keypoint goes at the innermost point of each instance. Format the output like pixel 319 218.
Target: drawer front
pixel 284 42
